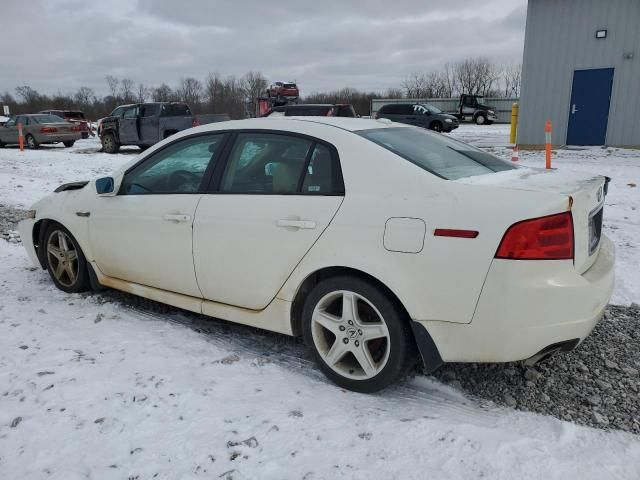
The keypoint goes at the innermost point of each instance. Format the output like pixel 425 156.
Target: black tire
pixel 70 284
pixel 481 119
pixel 436 126
pixel 109 143
pixel 399 343
pixel 31 142
pixel 69 144
pixel 1 144
pixel 489 122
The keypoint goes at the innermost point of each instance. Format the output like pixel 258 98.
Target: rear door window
pixel 175 110
pixel 437 154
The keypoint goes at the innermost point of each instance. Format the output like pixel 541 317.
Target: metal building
pixel 581 70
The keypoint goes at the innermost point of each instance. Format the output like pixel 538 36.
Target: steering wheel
pixel 182 181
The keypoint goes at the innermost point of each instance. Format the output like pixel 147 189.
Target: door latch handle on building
pixel 178 217
pixel 573 108
pixel 300 224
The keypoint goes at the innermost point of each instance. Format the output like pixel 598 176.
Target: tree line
pixel 237 96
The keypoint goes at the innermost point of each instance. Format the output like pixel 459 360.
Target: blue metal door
pixel 589 109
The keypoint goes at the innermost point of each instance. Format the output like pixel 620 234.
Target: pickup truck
pixel 472 108
pixel 143 124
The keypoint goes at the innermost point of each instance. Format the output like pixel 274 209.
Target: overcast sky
pixel 61 45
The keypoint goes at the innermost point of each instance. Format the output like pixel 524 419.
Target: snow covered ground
pixel 92 387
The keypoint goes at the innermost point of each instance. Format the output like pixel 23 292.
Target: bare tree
pixel 28 94
pixel 84 96
pixel 476 76
pixel 127 88
pixel 190 91
pixel 253 84
pixel 113 84
pixel 143 93
pixel 512 76
pixel 163 93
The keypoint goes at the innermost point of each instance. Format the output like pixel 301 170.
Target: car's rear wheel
pixel 358 336
pixel 32 143
pixel 65 261
pixel 68 144
pixel 436 126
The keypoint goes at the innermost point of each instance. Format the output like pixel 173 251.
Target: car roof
pixel 350 124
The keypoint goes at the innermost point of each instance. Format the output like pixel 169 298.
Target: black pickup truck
pixel 143 124
pixel 472 108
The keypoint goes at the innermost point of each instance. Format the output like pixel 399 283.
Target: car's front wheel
pixel 436 126
pixel 69 144
pixel 358 336
pixel 109 143
pixel 65 261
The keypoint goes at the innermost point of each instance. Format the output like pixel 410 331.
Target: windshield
pixel 436 153
pixel 47 119
pixel 74 115
pixel 432 109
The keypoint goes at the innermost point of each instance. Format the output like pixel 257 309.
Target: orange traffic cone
pixel 515 156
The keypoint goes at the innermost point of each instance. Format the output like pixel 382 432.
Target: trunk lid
pixel 585 198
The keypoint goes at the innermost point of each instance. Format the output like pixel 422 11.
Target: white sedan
pixel 376 241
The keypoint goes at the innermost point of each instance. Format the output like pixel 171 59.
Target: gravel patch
pixel 597 384
pixel 9 218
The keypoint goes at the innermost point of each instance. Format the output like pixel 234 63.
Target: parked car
pixel 288 90
pixel 3 120
pixel 144 124
pixel 472 108
pixel 313 110
pixel 372 239
pixel 420 115
pixel 72 116
pixel 39 128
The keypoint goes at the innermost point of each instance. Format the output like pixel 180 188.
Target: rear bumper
pixel 526 306
pixel 58 137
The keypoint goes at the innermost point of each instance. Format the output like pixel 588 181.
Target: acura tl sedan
pixel 378 242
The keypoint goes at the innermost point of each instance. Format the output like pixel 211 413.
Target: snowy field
pixel 92 387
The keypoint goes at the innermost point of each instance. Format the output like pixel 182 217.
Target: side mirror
pixel 104 185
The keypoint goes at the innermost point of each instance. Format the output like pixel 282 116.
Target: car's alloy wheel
pixel 63 258
pixel 360 339
pixel 436 127
pixel 350 335
pixel 65 261
pixel 480 120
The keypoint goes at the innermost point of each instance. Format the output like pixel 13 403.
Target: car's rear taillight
pixel 544 238
pixel 48 130
pixel 76 128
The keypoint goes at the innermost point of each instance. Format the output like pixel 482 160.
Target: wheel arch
pixel 428 349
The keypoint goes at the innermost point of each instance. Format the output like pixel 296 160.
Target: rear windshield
pixel 289 85
pixel 75 115
pixel 436 153
pixel 46 119
pixel 175 110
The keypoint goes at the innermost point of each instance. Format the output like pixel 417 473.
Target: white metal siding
pixel 560 39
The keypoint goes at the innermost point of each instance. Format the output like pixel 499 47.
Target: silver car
pixel 38 129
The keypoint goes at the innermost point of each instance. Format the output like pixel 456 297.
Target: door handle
pixel 573 109
pixel 300 224
pixel 177 217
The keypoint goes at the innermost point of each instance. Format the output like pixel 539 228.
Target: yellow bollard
pixel 515 110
